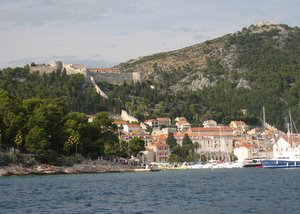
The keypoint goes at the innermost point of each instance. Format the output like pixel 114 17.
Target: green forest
pixel 47 115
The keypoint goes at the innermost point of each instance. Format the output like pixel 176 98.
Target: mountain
pixel 255 67
pixel 238 58
pixel 227 78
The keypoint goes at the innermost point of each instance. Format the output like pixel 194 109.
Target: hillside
pixel 257 66
pixel 234 57
pixel 231 77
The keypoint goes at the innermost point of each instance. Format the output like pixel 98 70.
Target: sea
pixel 246 190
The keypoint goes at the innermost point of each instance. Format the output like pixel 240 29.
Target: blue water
pixel 186 191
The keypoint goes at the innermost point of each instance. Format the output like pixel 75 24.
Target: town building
pixel 160 151
pixel 164 121
pixel 182 124
pixel 154 124
pixel 128 128
pixel 209 123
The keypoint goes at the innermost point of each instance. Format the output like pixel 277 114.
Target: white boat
pixel 197 166
pixel 184 166
pixel 286 151
pixel 285 156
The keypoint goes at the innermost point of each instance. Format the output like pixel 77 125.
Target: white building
pixel 128 128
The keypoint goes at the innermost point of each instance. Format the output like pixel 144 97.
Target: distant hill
pixel 240 58
pixel 257 66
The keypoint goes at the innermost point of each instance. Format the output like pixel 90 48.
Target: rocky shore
pixel 91 167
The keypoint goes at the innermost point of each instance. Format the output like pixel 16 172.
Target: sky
pixel 103 33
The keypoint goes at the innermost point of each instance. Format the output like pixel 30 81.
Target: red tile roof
pixel 160 144
pixel 133 125
pixel 165 119
pixel 120 122
pixel 149 121
pixel 211 129
pixel 163 137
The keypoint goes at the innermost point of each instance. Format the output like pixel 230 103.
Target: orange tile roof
pixel 246 145
pixel 160 144
pixel 150 121
pixel 133 125
pixel 165 119
pixel 293 138
pixel 203 134
pixel 163 137
pixel 136 132
pixel 211 129
pixel 120 122
pixel 243 141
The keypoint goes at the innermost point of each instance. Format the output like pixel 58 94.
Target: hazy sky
pixel 106 32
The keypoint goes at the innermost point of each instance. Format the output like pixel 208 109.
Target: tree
pixel 18 139
pixel 106 133
pixel 75 121
pixel 73 139
pixel 196 146
pixel 104 123
pixel 173 158
pixel 181 151
pixel 123 149
pixel 171 141
pixel 193 157
pixel 49 116
pixel 136 145
pixel 186 140
pixel 37 141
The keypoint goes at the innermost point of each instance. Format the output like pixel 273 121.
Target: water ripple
pixel 187 191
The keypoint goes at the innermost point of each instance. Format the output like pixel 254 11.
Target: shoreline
pixel 15 170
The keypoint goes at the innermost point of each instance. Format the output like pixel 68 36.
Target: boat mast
pixel 290 125
pixel 264 120
pixel 224 145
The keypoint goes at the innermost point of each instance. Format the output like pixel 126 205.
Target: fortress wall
pixel 110 75
pixel 113 78
pixel 42 69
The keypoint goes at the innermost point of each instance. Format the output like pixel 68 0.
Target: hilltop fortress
pixel 110 75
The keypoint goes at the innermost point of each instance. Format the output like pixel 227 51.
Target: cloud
pixel 124 33
pixel 92 61
pixel 39 12
pixel 199 37
pixel 185 29
pixel 119 30
pixel 112 46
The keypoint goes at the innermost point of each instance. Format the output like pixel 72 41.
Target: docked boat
pixel 281 163
pixel 197 166
pixel 255 162
pixel 286 153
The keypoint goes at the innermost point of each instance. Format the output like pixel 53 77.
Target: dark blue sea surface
pixel 183 191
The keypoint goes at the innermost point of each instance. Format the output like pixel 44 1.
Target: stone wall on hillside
pixel 127 117
pixel 110 75
pixel 115 78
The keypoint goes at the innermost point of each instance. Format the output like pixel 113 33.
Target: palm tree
pixel 196 147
